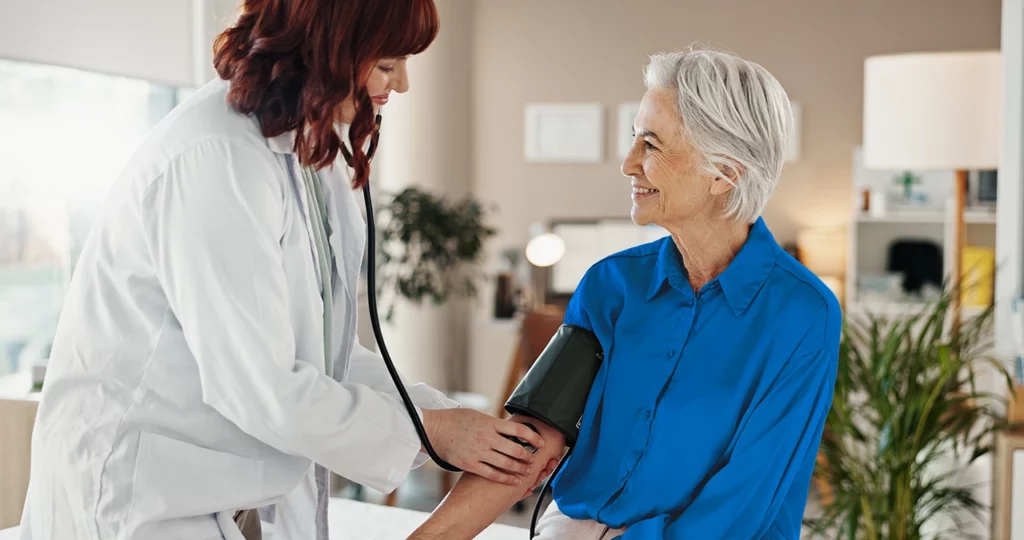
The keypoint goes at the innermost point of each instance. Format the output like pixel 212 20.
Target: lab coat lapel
pixel 341 235
pixel 299 191
pixel 335 232
pixel 348 235
pixel 346 238
pixel 328 178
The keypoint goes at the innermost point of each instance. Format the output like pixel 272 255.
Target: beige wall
pixel 593 50
pixel 425 134
pixel 132 38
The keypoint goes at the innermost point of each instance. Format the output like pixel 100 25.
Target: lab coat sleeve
pixel 776 445
pixel 214 224
pixel 367 367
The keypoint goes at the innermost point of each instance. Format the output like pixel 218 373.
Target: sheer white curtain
pixel 67 134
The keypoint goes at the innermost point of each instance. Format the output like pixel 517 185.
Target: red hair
pixel 291 63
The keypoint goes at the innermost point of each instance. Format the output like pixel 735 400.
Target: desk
pixel 352 519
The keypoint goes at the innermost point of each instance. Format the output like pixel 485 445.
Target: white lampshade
pixel 933 111
pixel 545 249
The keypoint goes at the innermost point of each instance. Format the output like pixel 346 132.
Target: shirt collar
pixel 741 280
pixel 668 268
pixel 283 143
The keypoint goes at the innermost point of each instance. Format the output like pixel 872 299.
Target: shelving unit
pixel 972 217
pixel 869 236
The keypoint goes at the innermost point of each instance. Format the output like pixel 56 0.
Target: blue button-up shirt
pixel 705 419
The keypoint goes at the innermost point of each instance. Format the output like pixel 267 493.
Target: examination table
pixel 351 519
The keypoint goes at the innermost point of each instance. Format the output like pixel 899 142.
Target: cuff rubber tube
pixel 556 388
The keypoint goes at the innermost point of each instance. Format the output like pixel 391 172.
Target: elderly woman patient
pixel 721 349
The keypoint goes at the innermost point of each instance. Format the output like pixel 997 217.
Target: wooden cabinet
pixel 1008 487
pixel 16 419
pixel 17 416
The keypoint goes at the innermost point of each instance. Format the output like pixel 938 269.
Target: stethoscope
pixel 371 278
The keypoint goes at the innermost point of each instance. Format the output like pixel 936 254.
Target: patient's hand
pixel 475 502
pixel 544 474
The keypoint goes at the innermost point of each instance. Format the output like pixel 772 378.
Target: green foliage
pixel 430 248
pixel 906 401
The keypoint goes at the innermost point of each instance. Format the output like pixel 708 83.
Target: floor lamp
pixel 935 112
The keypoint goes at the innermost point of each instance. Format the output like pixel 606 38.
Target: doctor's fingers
pixel 513 450
pixel 518 429
pixel 508 465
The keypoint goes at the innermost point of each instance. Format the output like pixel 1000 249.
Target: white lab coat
pixel 187 377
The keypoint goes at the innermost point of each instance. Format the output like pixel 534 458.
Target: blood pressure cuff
pixel 556 388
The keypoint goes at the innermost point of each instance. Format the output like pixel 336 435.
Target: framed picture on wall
pixel 564 133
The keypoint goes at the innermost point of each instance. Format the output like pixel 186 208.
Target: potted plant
pixel 430 248
pixel 906 404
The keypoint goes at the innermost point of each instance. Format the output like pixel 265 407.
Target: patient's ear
pixel 729 175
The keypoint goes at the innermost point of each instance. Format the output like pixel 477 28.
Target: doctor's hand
pixel 474 442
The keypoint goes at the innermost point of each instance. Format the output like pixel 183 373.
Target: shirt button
pixel 671 353
pixel 647 415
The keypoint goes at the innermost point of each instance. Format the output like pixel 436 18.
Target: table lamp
pixel 544 250
pixel 935 112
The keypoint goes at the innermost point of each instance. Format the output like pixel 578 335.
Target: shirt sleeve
pixel 777 442
pixel 214 223
pixel 596 302
pixel 576 312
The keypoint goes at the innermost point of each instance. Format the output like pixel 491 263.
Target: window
pixel 65 135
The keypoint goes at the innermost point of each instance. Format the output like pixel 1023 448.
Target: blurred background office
pixel 513 134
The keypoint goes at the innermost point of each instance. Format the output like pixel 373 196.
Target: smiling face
pixel 388 75
pixel 669 188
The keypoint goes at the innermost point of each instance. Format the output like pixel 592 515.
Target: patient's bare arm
pixel 475 502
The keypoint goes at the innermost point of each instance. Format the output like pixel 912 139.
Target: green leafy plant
pixel 430 248
pixel 906 403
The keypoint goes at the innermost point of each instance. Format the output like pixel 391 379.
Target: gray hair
pixel 735 114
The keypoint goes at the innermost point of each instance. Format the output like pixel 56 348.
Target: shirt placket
pixel 666 366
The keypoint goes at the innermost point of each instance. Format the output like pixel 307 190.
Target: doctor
pixel 206 363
